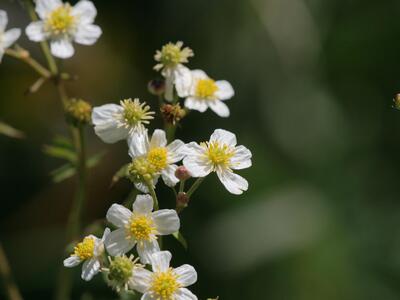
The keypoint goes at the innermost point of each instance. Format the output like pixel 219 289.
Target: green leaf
pixel 178 235
pixel 64 172
pixel 60 152
pixel 10 131
pixel 95 159
pixel 121 173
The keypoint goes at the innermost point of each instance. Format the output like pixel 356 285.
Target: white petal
pixel 147 296
pixel 141 187
pixel 234 183
pixel 62 48
pixel 158 139
pixel 35 31
pixel 225 90
pixel 219 107
pixel 184 294
pixel 107 231
pixel 187 275
pixel 196 104
pixel 143 204
pixel 166 221
pixel 90 268
pixel 175 151
pixel 241 159
pixel 43 7
pixel 160 261
pixel 183 81
pixel 106 126
pixel 10 36
pixel 87 34
pixel 138 143
pixel 196 166
pixel 85 11
pixel 118 215
pixel 199 74
pixel 146 249
pixel 141 280
pixel 168 175
pixel 3 20
pixel 169 88
pixel 224 137
pixel 117 244
pixel 72 261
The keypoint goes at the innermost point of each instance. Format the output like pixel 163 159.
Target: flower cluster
pixel 131 256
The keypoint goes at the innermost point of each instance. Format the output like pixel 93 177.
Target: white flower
pixel 62 24
pixel 220 155
pixel 171 58
pixel 164 283
pixel 116 122
pixel 7 38
pixel 140 226
pixel 202 92
pixel 158 157
pixel 89 251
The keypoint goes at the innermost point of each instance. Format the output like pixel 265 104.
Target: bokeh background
pixel 314 82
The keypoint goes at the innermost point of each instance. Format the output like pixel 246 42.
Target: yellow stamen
pixel 141 227
pixel 85 249
pixel 219 154
pixel 164 285
pixel 206 89
pixel 157 157
pixel 136 112
pixel 60 21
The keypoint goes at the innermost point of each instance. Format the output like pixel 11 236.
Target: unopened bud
pixel 396 101
pixel 156 87
pixel 182 201
pixel 78 111
pixel 182 173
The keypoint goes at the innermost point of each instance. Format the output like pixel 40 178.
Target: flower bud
pixel 120 271
pixel 182 201
pixel 156 87
pixel 396 101
pixel 78 111
pixel 182 173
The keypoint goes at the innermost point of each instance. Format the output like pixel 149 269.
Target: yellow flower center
pixel 135 112
pixel 141 227
pixel 164 285
pixel 60 21
pixel 157 157
pixel 85 249
pixel 206 88
pixel 219 154
pixel 173 54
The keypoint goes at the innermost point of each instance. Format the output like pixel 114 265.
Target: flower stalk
pixel 11 287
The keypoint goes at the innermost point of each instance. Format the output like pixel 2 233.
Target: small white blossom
pixel 202 92
pixel 114 122
pixel 220 155
pixel 63 24
pixel 88 251
pixel 170 60
pixel 158 157
pixel 140 227
pixel 7 38
pixel 164 282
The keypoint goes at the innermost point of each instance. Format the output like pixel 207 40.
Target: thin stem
pixel 194 186
pixel 44 45
pixel 170 129
pixel 182 186
pixel 153 195
pixel 24 56
pixel 11 288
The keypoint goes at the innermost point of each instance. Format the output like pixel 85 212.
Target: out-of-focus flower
pixel 170 60
pixel 7 38
pixel 164 282
pixel 120 272
pixel 172 114
pixel 88 251
pixel 220 155
pixel 63 24
pixel 202 92
pixel 114 122
pixel 140 227
pixel 152 158
pixel 78 111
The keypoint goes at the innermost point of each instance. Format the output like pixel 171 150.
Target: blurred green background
pixel 314 82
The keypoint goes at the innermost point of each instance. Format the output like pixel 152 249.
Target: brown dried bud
pixel 78 111
pixel 182 173
pixel 156 87
pixel 182 201
pixel 172 114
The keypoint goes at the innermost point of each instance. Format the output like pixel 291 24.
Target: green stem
pixel 24 56
pixel 194 186
pixel 182 186
pixel 11 288
pixel 153 195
